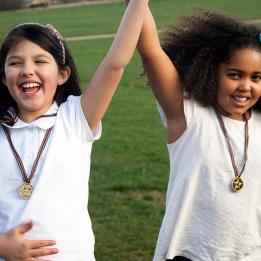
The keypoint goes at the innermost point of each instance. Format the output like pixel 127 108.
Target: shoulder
pixel 71 119
pixel 194 113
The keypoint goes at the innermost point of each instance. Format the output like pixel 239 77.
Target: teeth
pixel 240 99
pixel 30 85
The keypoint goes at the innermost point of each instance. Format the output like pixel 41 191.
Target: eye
pixel 256 77
pixel 234 75
pixel 14 63
pixel 40 61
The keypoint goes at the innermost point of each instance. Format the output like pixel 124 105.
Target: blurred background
pixel 129 171
pixel 21 4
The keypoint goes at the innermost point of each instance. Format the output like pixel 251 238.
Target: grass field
pixel 85 20
pixel 129 171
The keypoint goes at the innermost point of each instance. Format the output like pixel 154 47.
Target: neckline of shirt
pixel 42 123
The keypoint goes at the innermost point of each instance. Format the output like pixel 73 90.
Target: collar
pixel 42 123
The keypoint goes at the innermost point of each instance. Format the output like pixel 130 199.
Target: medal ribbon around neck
pixel 237 182
pixel 26 189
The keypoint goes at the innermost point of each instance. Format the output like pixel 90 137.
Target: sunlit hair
pixel 47 39
pixel 201 43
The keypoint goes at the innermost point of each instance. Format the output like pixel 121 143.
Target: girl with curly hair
pixel 207 81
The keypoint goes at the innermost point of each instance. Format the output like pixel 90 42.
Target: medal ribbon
pixel 18 158
pixel 224 130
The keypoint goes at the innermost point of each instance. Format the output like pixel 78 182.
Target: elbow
pixel 118 65
pixel 118 61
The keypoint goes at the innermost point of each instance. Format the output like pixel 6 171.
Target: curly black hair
pixel 203 41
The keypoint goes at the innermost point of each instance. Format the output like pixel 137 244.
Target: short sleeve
pixel 162 115
pixel 191 109
pixel 75 122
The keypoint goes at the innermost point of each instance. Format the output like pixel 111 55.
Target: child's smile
pixel 32 77
pixel 30 88
pixel 239 83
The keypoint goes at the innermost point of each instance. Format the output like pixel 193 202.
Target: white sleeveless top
pixel 204 219
pixel 58 205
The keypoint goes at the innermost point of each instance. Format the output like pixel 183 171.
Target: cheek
pixel 227 86
pixel 222 89
pixel 50 75
pixel 10 77
pixel 258 92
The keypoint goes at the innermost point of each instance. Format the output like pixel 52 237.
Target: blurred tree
pixel 11 5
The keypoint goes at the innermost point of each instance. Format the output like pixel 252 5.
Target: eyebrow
pixel 240 71
pixel 35 57
pixel 12 57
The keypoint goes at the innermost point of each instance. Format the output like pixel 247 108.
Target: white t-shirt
pixel 58 205
pixel 204 219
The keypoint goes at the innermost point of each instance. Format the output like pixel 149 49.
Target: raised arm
pixel 163 77
pixel 103 84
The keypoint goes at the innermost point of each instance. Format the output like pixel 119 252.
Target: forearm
pixel 149 43
pixel 161 72
pixel 95 100
pixel 126 39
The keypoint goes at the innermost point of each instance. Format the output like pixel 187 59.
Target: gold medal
pixel 25 191
pixel 237 184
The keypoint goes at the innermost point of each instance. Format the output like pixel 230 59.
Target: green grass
pixel 129 171
pixel 129 165
pixel 85 20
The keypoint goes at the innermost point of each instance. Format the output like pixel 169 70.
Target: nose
pixel 27 70
pixel 245 86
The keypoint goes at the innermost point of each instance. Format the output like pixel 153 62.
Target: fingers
pixel 43 252
pixel 38 259
pixel 42 243
pixel 25 227
pixel 38 248
pixel 19 248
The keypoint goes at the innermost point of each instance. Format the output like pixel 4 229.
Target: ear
pixel 3 79
pixel 64 75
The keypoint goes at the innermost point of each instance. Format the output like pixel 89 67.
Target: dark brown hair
pixel 42 36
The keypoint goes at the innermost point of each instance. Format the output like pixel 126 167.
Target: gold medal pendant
pixel 25 191
pixel 237 184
